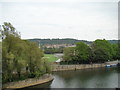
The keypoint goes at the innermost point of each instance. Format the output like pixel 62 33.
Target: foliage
pixel 8 29
pixel 13 50
pixel 116 48
pixel 69 53
pixel 103 50
pixel 67 41
pixel 98 52
pixel 53 50
pixel 20 56
pixel 83 52
pixel 79 54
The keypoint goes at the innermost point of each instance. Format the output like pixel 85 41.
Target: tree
pixel 69 54
pixel 8 35
pixel 8 29
pixel 34 57
pixel 13 54
pixel 83 52
pixel 103 50
pixel 19 54
pixel 116 48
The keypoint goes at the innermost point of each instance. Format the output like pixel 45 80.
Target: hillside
pixel 114 41
pixel 64 41
pixel 58 41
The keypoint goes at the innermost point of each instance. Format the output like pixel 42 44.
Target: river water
pixel 88 78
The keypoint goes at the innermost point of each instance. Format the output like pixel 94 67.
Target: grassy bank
pixel 50 57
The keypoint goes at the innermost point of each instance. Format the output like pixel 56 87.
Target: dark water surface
pixel 88 78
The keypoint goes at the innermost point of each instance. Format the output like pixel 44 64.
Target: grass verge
pixel 50 57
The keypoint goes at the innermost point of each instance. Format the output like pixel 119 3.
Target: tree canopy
pixel 98 52
pixel 83 52
pixel 21 57
pixel 103 50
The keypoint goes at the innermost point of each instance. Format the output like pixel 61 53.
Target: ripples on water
pixel 89 78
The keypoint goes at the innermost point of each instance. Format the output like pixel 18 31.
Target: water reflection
pixel 90 78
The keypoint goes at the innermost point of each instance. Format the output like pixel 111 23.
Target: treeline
pixel 58 41
pixel 53 50
pixel 64 41
pixel 20 58
pixel 99 51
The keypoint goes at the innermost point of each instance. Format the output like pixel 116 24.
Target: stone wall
pixel 29 82
pixel 82 66
pixel 76 67
pixel 112 62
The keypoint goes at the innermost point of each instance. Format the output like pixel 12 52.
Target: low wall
pixel 112 62
pixel 76 67
pixel 82 66
pixel 29 82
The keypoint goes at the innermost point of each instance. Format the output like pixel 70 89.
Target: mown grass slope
pixel 50 57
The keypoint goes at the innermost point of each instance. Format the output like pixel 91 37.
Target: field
pixel 50 57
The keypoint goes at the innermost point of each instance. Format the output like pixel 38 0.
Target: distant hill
pixel 64 41
pixel 58 41
pixel 114 41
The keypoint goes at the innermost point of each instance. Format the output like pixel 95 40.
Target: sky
pixel 78 19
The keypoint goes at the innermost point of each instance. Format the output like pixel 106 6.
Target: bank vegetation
pixel 99 51
pixel 21 59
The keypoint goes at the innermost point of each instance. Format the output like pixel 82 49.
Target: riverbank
pixel 29 82
pixel 48 77
pixel 87 78
pixel 81 66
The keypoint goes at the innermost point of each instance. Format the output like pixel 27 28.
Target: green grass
pixel 50 57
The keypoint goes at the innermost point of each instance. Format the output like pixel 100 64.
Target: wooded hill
pixel 64 41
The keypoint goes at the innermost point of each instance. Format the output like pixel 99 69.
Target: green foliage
pixel 116 48
pixel 98 52
pixel 68 41
pixel 83 52
pixel 59 41
pixel 76 55
pixel 18 55
pixel 69 54
pixel 53 50
pixel 8 29
pixel 103 50
pixel 47 65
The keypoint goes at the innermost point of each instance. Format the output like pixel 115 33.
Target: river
pixel 88 78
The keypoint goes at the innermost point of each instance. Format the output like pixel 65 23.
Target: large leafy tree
pixel 34 57
pixel 103 50
pixel 13 54
pixel 10 39
pixel 69 54
pixel 18 55
pixel 116 48
pixel 83 52
pixel 8 29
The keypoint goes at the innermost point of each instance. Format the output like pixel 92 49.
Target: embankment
pixel 81 66
pixel 29 82
pixel 76 67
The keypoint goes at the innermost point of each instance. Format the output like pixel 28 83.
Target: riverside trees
pixel 69 55
pixel 103 50
pixel 116 48
pixel 98 52
pixel 20 55
pixel 83 52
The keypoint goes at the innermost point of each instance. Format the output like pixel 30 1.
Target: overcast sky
pixel 79 19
